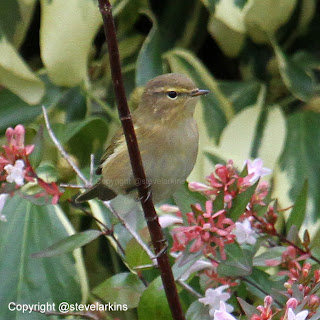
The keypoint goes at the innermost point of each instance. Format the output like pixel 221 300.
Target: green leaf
pixel 240 202
pixel 242 94
pixel 297 80
pixel 135 255
pixel 184 198
pixel 238 262
pixel 298 212
pixel 266 17
pixel 198 310
pixel 59 47
pixel 248 309
pixel 149 63
pixel 153 303
pixel 15 18
pixel 300 161
pixel 29 228
pixel 161 38
pixel 270 254
pixel 123 288
pixel 83 137
pixel 260 284
pixel 68 244
pixel 16 75
pixel 185 262
pixel 14 110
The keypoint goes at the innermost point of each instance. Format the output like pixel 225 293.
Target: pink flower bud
pixel 268 301
pixel 9 135
pixel 198 187
pixel 20 133
pixel 292 303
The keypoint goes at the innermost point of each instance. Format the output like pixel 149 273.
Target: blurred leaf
pixel 238 263
pixel 68 244
pixel 17 76
pixel 185 262
pixel 15 18
pixel 149 63
pixel 298 212
pixel 307 12
pixel 297 80
pixel 82 137
pixel 184 198
pixel 218 109
pixel 161 38
pixel 230 41
pixel 135 254
pixel 9 17
pixel 36 156
pixel 248 309
pixel 270 254
pixel 14 110
pixel 259 284
pixel 198 310
pixel 123 288
pixel 266 17
pixel 26 280
pixel 230 15
pixel 242 94
pixel 67 43
pixel 74 103
pixel 153 303
pixel 300 161
pixel 240 202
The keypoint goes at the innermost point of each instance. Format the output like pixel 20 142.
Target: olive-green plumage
pixel 167 136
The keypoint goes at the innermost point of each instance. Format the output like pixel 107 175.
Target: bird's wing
pixel 115 141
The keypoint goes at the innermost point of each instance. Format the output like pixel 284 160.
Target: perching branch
pixel 151 217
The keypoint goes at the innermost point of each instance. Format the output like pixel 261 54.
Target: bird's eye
pixel 172 95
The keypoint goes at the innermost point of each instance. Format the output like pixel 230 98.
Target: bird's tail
pixel 98 190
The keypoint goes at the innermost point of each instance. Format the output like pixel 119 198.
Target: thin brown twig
pixel 151 217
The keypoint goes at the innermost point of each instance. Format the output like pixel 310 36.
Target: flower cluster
pixel 267 312
pixel 207 230
pixel 16 169
pixel 210 231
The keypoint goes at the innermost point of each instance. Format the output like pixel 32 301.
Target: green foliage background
pixel 259 58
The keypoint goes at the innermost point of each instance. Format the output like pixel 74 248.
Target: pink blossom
pixel 256 168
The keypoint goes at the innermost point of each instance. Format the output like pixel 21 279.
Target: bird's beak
pixel 199 92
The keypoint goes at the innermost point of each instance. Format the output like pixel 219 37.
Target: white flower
pixel 3 198
pixel 168 220
pixel 244 232
pixel 222 313
pixel 213 297
pixel 15 173
pixel 300 316
pixel 256 167
pixel 197 266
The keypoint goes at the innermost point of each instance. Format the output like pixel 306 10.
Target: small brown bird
pixel 167 136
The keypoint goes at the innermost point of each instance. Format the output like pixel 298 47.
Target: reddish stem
pixel 150 214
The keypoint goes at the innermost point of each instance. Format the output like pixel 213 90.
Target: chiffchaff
pixel 167 136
